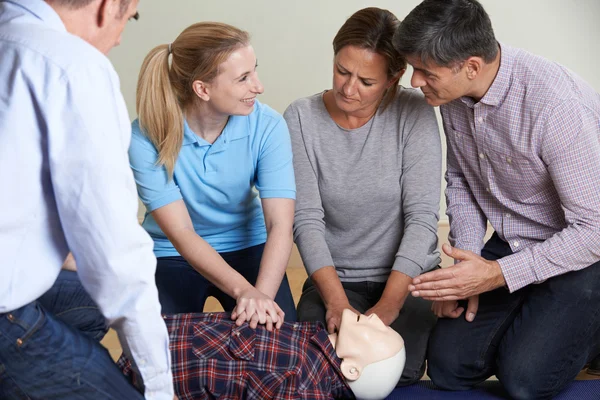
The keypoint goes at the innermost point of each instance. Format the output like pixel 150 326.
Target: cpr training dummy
pixel 214 358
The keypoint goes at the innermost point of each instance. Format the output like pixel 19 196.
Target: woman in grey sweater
pixel 367 158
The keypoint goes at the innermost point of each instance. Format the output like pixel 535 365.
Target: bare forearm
pixel 329 286
pixel 209 263
pixel 396 290
pixel 274 260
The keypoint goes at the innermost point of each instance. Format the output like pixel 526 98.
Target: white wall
pixel 292 39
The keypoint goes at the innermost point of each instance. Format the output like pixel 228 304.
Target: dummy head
pixel 372 354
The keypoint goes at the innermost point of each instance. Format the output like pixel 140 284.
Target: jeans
pixel 49 349
pixel 68 301
pixel 535 340
pixel 181 289
pixel 414 323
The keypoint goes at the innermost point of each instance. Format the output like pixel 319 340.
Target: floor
pixel 296 276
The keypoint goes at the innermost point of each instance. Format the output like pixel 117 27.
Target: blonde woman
pixel 202 143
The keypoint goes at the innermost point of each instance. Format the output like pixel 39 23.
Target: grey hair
pixel 77 4
pixel 447 32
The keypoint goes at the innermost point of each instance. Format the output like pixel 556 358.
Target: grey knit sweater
pixel 367 198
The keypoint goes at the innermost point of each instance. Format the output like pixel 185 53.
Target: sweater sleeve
pixel 420 187
pixel 309 224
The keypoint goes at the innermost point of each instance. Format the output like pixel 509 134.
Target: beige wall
pixel 293 38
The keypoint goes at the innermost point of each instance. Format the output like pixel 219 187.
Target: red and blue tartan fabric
pixel 213 358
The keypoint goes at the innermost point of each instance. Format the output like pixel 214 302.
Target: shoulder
pixel 62 50
pixel 409 98
pixel 409 104
pixel 139 140
pixel 546 84
pixel 312 104
pixel 264 113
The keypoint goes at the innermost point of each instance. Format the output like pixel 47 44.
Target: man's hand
pixel 257 308
pixel 450 308
pixel 386 312
pixel 333 316
pixel 471 276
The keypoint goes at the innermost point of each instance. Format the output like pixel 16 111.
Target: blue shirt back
pixel 67 185
pixel 216 181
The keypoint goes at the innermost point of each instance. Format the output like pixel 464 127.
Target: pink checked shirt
pixel 526 157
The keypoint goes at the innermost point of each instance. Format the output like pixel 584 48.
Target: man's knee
pixel 528 383
pixel 443 367
pixel 450 364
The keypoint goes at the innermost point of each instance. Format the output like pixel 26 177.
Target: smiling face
pixel 440 85
pixel 364 340
pixel 234 89
pixel 359 80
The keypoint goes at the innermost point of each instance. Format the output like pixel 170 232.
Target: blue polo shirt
pixel 216 181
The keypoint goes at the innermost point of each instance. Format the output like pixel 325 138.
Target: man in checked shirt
pixel 214 358
pixel 523 139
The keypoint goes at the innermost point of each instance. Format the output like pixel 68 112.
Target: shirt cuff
pixel 159 388
pixel 278 194
pixel 475 248
pixel 518 270
pixel 407 267
pixel 163 201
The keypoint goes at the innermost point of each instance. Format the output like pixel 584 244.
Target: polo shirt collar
pixel 43 12
pixel 237 127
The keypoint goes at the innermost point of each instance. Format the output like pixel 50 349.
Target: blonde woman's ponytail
pixel 158 108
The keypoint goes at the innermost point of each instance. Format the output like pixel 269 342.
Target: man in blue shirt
pixel 64 170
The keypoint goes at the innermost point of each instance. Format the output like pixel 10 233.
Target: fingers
pixel 438 294
pixel 241 318
pixel 269 323
pixel 472 308
pixel 447 309
pixel 332 325
pixel 254 321
pixel 280 316
pixel 433 276
pixel 458 254
pixel 256 308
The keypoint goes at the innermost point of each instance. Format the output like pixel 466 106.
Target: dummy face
pixel 359 80
pixel 363 340
pixel 440 85
pixel 114 24
pixel 234 90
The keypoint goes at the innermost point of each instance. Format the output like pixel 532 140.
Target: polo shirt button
pixel 480 119
pixel 516 244
pixel 481 155
pixel 509 160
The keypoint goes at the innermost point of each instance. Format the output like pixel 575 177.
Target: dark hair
pixel 373 29
pixel 447 32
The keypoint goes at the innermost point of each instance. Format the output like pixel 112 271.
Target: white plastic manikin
pixel 372 354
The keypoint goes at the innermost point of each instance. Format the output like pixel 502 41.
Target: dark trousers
pixel 414 322
pixel 535 340
pixel 181 289
pixel 49 349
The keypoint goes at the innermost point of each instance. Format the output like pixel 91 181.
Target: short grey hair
pixel 447 32
pixel 77 4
